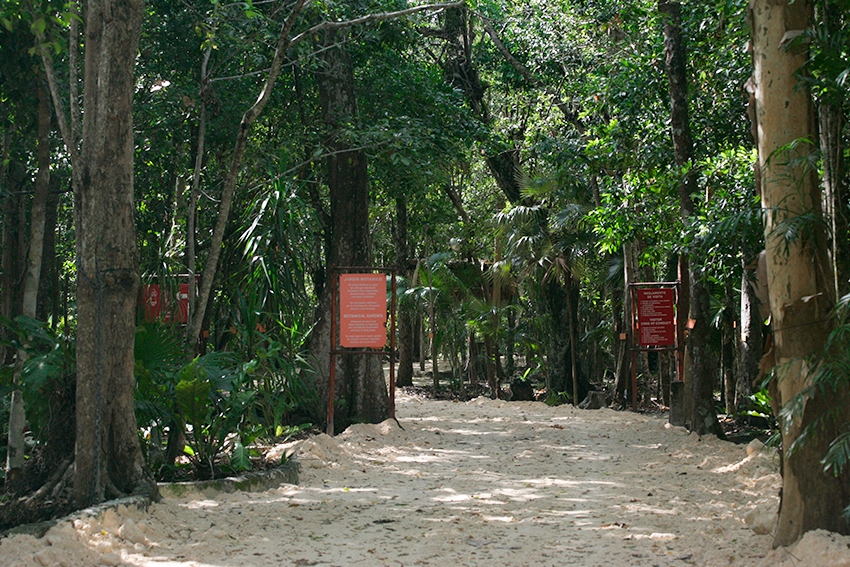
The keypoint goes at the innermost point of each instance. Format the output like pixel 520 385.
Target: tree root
pixel 51 500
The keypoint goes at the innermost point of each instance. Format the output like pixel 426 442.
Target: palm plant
pixel 546 243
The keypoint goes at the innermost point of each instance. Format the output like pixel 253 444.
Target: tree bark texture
pixel 699 385
pixel 730 377
pixel 108 459
pixel 799 276
pixel 360 391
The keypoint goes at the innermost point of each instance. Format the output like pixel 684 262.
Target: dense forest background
pixel 519 164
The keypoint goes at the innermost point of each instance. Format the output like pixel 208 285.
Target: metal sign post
pixel 655 325
pixel 362 321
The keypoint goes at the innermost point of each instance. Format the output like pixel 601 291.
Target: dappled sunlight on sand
pixel 481 483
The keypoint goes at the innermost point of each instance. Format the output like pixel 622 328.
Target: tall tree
pixel 360 390
pixel 800 287
pixel 699 384
pixel 108 458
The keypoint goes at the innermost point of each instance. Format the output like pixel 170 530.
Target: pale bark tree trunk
pixel 799 277
pixel 108 458
pixel 699 385
pixel 360 393
pixel 193 329
pixel 727 355
pixel 750 348
pixel 32 278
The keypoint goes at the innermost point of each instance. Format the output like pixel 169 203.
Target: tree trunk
pixel 798 271
pixel 623 377
pixel 360 391
pixel 108 458
pixel 48 293
pixel 572 312
pixel 751 345
pixel 404 377
pixel 32 278
pixel 727 355
pixel 460 71
pixel 835 197
pixel 199 309
pixel 560 301
pixel 699 387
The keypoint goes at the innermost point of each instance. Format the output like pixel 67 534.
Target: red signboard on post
pixel 656 317
pixel 166 303
pixel 362 310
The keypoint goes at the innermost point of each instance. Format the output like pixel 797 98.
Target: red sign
pixel 656 317
pixel 362 310
pixel 158 306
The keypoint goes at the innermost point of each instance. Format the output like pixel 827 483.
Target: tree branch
pixel 382 16
pixel 532 79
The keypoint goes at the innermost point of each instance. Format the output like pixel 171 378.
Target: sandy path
pixel 482 483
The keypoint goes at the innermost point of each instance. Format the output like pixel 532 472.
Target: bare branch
pixel 59 109
pixel 378 17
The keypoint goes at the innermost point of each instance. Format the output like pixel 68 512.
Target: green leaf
pixel 193 398
pixel 39 26
pixel 240 460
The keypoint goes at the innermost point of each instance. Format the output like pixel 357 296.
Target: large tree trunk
pixel 699 385
pixel 798 271
pixel 108 459
pixel 360 393
pixel 561 301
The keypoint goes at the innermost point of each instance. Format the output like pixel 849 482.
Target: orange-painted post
pixel 392 345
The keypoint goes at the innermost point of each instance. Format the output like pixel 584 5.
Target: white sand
pixel 485 483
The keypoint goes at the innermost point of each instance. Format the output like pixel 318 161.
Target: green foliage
pixel 760 405
pixel 554 398
pixel 50 365
pixel 212 403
